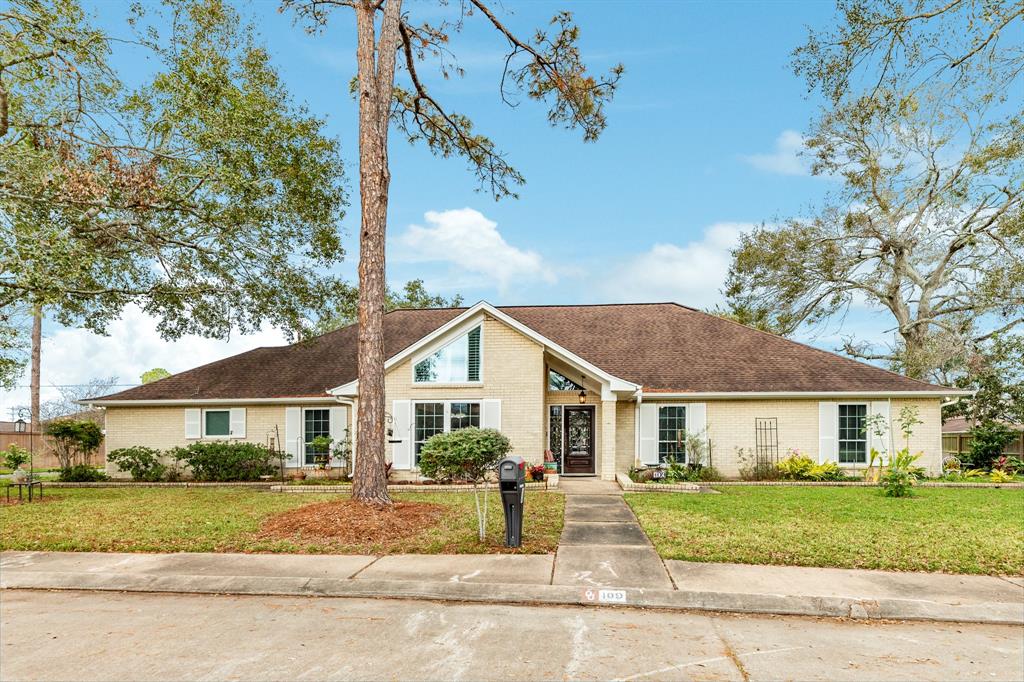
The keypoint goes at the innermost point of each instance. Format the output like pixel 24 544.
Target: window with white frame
pixel 853 433
pixel 316 422
pixel 216 423
pixel 458 362
pixel 432 418
pixel 672 434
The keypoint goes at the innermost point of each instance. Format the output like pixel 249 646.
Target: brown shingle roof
pixel 661 346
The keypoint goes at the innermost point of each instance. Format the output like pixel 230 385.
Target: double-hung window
pixel 216 423
pixel 456 363
pixel 432 418
pixel 853 436
pixel 315 423
pixel 672 434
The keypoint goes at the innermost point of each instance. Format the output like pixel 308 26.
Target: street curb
pixel 1000 613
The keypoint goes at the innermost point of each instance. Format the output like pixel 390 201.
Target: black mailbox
pixel 512 483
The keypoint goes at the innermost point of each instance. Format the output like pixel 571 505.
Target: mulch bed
pixel 349 521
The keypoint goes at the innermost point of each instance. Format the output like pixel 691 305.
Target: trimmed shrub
pixel 141 462
pixel 81 473
pixel 464 455
pixel 227 461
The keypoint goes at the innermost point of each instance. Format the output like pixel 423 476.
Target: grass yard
pixel 939 529
pixel 229 520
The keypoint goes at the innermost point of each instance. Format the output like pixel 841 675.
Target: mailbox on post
pixel 512 483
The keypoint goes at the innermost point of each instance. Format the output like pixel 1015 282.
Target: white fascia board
pixel 468 318
pixel 206 401
pixel 750 395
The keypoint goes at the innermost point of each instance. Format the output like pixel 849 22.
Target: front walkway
pixel 602 544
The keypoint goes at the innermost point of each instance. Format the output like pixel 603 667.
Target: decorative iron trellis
pixel 766 450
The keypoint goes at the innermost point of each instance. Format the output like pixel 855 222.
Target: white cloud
pixel 691 274
pixel 73 356
pixel 786 159
pixel 466 240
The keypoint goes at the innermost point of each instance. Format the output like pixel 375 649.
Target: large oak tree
pixel 925 137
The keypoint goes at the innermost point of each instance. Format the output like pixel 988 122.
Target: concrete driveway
pixel 138 636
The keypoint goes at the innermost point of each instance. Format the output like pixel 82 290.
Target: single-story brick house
pixel 601 386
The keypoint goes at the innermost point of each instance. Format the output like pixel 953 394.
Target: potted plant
pixel 537 472
pixel 321 455
pixel 14 457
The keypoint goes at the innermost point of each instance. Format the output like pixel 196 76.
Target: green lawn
pixel 939 529
pixel 228 520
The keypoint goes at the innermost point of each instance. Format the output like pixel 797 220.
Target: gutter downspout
pixel 351 403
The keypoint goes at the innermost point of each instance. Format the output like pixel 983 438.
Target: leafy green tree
pixel 995 372
pixel 155 374
pixel 206 195
pixel 988 438
pixel 74 440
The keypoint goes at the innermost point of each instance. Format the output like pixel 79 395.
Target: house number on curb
pixel 605 596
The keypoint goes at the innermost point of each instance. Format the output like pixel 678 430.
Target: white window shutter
pixel 402 434
pixel 237 422
pixel 649 433
pixel 880 443
pixel 828 431
pixel 293 435
pixel 193 423
pixel 338 425
pixel 697 421
pixel 490 414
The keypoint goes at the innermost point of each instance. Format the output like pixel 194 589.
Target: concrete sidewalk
pixel 524 579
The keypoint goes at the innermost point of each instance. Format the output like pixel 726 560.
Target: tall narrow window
pixel 429 422
pixel 853 437
pixel 316 423
pixel 555 439
pixel 457 362
pixel 672 434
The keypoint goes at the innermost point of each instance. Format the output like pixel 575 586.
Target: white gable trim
pixel 469 319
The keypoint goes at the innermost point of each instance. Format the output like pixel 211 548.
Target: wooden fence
pixel 42 448
pixel 958 444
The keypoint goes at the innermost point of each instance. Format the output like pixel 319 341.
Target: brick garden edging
pixel 402 488
pixel 626 484
pixel 629 486
pixel 176 484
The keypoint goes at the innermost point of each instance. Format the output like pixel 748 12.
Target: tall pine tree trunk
pixel 376 63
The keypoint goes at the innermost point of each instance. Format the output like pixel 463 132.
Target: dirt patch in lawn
pixel 349 521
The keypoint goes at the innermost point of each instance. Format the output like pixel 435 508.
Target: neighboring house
pixel 602 386
pixel 956 438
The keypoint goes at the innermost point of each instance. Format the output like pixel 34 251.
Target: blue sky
pixel 701 145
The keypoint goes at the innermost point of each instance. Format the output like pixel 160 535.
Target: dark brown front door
pixel 579 440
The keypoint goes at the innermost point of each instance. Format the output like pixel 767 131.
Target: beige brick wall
pixel 164 427
pixel 731 425
pixel 625 435
pixel 512 371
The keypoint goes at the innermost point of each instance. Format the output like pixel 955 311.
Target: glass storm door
pixel 579 440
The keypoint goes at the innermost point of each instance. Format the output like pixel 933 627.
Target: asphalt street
pixel 140 636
